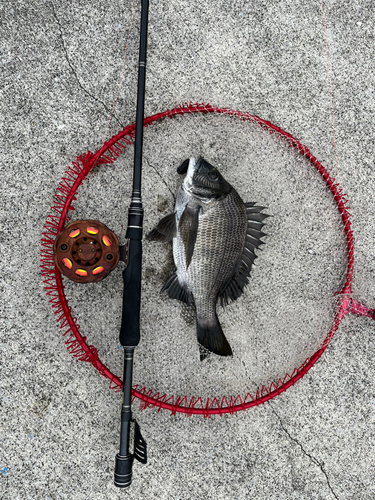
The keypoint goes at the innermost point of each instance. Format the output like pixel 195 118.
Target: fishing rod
pixel 86 251
pixel 130 324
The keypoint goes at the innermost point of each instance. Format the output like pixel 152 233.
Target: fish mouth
pixel 190 183
pixel 190 186
pixel 198 184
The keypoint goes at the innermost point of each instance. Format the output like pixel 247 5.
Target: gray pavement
pixel 60 66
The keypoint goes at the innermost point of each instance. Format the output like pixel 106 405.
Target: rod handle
pixel 131 305
pixel 123 470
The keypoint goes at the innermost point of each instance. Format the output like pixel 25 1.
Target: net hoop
pixel 76 343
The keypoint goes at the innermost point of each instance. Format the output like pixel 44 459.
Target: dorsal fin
pixel 240 278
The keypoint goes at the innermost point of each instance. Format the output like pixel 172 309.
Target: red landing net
pixel 76 344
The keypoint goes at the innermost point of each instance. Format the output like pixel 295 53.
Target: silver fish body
pixel 213 249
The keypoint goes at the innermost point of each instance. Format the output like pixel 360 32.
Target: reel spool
pixel 86 251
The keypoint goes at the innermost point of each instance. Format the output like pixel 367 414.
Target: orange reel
pixel 86 251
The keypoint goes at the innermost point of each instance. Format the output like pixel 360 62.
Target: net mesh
pixel 300 286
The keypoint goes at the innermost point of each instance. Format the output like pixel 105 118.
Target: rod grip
pixel 123 470
pixel 131 305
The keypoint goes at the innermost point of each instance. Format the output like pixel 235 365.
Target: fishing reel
pixel 86 251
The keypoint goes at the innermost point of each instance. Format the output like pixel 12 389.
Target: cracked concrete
pixel 161 177
pixel 313 459
pixel 60 66
pixel 108 111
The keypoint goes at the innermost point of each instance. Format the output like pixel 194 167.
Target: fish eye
pixel 213 175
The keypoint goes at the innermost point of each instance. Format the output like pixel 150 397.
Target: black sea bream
pixel 215 235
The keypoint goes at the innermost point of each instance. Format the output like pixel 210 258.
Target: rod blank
pixel 130 324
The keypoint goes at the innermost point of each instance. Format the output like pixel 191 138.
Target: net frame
pixel 77 344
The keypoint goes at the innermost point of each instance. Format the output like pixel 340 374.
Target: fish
pixel 215 236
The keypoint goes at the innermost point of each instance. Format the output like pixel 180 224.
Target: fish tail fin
pixel 210 335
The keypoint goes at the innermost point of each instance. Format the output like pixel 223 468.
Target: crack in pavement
pixel 75 73
pixel 162 178
pixel 312 459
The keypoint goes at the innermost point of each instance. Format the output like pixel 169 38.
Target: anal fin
pixel 177 291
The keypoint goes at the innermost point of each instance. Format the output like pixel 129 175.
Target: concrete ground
pixel 60 67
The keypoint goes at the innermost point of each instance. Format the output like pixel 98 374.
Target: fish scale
pixel 217 250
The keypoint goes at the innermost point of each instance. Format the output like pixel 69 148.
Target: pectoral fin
pixel 165 230
pixel 188 229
